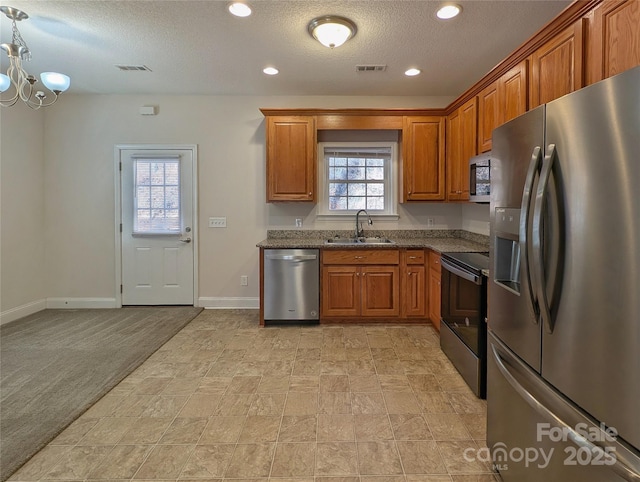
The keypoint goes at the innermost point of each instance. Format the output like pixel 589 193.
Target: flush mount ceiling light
pixel 332 31
pixel 270 70
pixel 240 9
pixel 412 72
pixel 18 78
pixel 448 10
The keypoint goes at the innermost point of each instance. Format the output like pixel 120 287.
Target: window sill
pixel 351 216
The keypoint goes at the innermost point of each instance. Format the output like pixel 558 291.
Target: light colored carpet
pixel 56 363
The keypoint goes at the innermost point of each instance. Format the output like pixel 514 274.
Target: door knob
pixel 188 240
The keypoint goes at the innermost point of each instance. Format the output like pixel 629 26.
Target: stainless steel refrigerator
pixel 563 388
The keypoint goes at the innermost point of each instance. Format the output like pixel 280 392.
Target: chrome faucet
pixel 359 230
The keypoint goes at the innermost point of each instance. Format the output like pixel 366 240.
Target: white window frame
pixel 391 174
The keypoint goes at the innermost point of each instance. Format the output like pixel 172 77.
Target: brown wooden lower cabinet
pixel 413 286
pixel 372 284
pixel 360 291
pixel 434 289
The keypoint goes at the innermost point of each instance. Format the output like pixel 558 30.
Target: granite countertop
pixel 437 240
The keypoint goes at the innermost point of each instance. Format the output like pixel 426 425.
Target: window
pixel 357 176
pixel 156 196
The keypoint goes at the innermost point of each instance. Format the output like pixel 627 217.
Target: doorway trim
pixel 117 152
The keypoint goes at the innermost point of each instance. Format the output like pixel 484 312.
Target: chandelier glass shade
pixel 331 30
pixel 17 77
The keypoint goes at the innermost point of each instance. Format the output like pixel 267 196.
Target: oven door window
pixel 461 305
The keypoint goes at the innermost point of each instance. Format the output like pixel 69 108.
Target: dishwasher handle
pixel 291 257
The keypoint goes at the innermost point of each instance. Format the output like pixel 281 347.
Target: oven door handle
pixel 460 272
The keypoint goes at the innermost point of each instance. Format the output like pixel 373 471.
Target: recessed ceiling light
pixel 270 70
pixel 448 10
pixel 412 72
pixel 240 9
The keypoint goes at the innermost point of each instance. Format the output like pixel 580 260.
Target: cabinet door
pixel 414 292
pixel 434 288
pixel 461 145
pixel 423 159
pixel 487 116
pixel 556 67
pixel 340 291
pixel 615 40
pixel 512 93
pixel 434 298
pixel 291 156
pixel 454 155
pixel 380 291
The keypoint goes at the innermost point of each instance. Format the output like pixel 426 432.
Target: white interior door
pixel 157 226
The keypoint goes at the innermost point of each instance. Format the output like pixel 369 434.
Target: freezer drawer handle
pixel 460 272
pixel 290 257
pixel 621 467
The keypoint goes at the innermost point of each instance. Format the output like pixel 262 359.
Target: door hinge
pixel 120 289
pixel 120 165
pixel 120 227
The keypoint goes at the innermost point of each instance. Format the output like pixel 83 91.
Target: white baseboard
pixel 81 303
pixel 22 311
pixel 220 303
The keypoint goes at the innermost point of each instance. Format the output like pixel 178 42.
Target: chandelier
pixel 18 78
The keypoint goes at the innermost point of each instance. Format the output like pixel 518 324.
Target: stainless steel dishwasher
pixel 291 284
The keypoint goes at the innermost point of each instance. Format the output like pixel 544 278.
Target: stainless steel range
pixel 463 330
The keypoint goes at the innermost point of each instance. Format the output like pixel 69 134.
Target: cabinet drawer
pixel 414 256
pixel 361 256
pixel 434 261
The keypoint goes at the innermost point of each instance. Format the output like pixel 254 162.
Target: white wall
pixel 22 240
pixel 76 188
pixel 475 218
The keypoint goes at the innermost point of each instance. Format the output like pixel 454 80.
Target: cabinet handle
pixel 310 193
pixel 357 274
pixel 413 257
pixel 358 257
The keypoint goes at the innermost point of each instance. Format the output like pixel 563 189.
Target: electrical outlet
pixel 298 222
pixel 219 222
pixel 244 280
pixel 429 222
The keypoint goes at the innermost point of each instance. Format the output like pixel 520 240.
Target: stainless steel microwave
pixel 480 178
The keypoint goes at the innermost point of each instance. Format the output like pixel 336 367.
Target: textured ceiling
pixel 197 47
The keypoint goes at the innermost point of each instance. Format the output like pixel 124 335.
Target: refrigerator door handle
pixel 619 463
pixel 537 237
pixel 525 240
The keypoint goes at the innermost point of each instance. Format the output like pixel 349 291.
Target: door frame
pixel 117 153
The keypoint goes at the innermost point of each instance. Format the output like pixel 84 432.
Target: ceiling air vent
pixel 371 68
pixel 133 68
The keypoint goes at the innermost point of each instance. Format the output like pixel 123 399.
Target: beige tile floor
pixel 227 400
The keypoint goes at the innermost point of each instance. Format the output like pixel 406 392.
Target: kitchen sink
pixel 361 240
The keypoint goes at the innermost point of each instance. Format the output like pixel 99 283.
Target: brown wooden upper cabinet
pixel 291 158
pixel 614 39
pixel 556 67
pixel 423 171
pixel 503 100
pixel 461 146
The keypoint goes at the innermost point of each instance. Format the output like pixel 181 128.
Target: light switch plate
pixel 218 222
